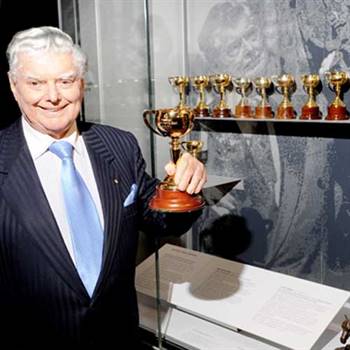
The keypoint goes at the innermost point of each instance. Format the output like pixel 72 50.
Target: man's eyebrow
pixel 29 77
pixel 71 75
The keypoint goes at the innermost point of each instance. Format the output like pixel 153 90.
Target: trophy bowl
pixel 337 109
pixel 243 87
pixel 263 110
pixel 174 123
pixel 193 147
pixel 310 110
pixel 221 83
pixel 201 83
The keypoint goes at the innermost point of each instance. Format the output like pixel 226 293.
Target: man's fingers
pixel 190 174
pixel 193 179
pixel 170 168
pixel 181 167
pixel 200 184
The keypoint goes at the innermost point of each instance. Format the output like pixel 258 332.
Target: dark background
pixel 18 15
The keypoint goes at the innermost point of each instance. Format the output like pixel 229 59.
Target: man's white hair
pixel 36 40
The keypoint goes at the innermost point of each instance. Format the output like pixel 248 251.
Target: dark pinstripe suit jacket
pixel 43 303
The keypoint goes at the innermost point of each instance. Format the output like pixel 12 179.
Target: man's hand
pixel 189 173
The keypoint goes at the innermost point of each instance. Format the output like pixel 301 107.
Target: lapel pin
pixel 115 181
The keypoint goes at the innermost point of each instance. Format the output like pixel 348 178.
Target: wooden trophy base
pixel 201 112
pixel 174 201
pixel 222 113
pixel 285 113
pixel 263 112
pixel 308 113
pixel 337 113
pixel 243 111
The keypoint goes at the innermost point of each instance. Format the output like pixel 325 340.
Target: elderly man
pixel 72 198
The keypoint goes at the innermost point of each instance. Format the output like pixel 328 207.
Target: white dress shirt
pixel 48 167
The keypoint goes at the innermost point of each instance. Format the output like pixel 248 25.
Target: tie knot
pixel 62 149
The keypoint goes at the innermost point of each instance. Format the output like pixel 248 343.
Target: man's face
pixel 49 91
pixel 240 47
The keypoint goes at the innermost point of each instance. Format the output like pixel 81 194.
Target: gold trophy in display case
pixel 243 87
pixel 286 86
pixel 174 123
pixel 180 84
pixel 337 109
pixel 221 83
pixel 201 83
pixel 310 110
pixel 263 109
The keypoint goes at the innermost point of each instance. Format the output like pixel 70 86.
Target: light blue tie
pixel 85 227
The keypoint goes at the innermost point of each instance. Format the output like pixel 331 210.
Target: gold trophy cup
pixel 174 123
pixel 221 83
pixel 337 109
pixel 193 147
pixel 285 85
pixel 263 109
pixel 180 84
pixel 310 110
pixel 201 83
pixel 244 87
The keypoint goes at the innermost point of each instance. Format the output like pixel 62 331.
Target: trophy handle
pixel 189 129
pixel 239 90
pixel 215 88
pixel 146 118
pixel 330 86
pixel 279 89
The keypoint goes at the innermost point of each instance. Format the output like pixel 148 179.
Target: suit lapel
pixel 107 179
pixel 19 186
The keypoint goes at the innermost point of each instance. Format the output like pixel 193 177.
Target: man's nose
pixel 53 94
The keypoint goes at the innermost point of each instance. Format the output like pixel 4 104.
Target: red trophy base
pixel 308 113
pixel 337 113
pixel 174 201
pixel 263 112
pixel 285 113
pixel 201 112
pixel 243 111
pixel 222 113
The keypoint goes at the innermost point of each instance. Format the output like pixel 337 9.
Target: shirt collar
pixel 38 143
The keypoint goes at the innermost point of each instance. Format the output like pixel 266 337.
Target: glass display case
pixel 290 213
